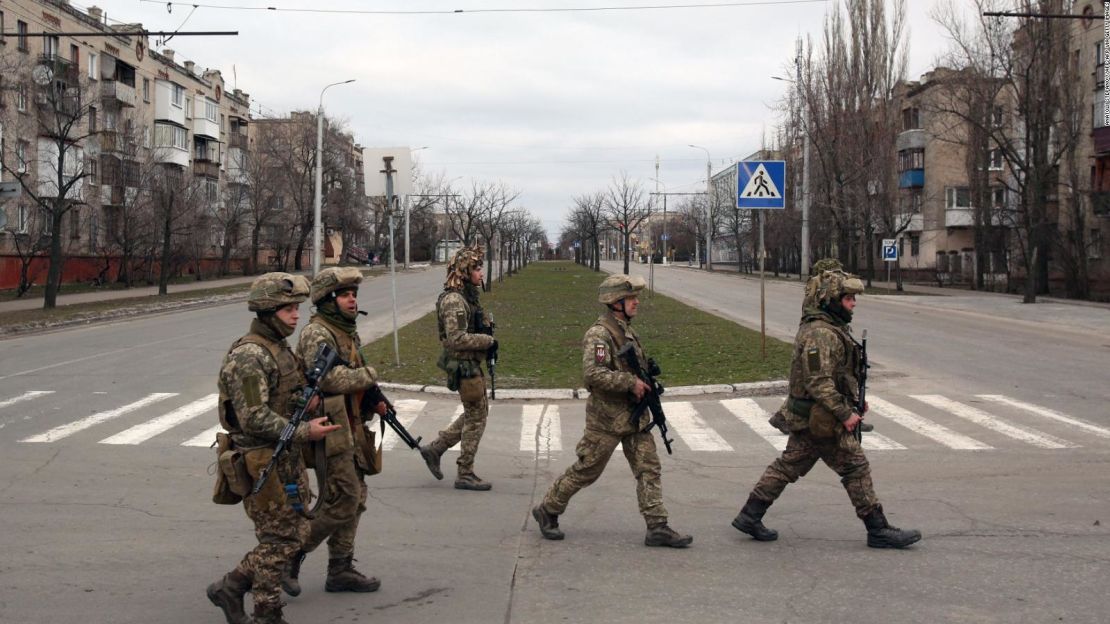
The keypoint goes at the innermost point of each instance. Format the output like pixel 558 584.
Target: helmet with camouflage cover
pixel 826 264
pixel 270 291
pixel 618 286
pixel 466 260
pixel 832 285
pixel 333 279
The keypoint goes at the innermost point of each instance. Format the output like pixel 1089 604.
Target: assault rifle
pixel 861 375
pixel 371 398
pixel 326 359
pixel 482 327
pixel 651 397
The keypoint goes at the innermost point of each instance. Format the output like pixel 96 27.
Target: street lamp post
pixel 708 208
pixel 317 226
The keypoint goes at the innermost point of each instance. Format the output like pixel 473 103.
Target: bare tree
pixel 625 209
pixel 493 206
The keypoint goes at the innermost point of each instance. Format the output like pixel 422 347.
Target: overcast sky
pixel 552 103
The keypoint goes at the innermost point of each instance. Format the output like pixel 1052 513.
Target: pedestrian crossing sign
pixel 761 184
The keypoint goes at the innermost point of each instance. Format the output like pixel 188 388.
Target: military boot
pixel 431 457
pixel 343 577
pixel 227 594
pixel 750 520
pixel 268 614
pixel 471 481
pixel 549 523
pixel 663 535
pixel 289 581
pixel 881 535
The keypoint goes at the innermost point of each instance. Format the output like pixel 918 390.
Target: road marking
pixel 755 417
pixel 1048 413
pixel 205 438
pixel 540 430
pixel 693 429
pixel 408 410
pixel 983 419
pixel 26 396
pixel 57 433
pixel 923 426
pixel 879 442
pixel 142 432
pixel 458 413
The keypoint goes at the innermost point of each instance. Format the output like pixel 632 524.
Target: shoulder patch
pixel 813 359
pixel 252 392
pixel 460 318
pixel 601 353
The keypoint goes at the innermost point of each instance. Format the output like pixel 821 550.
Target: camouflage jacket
pixel 456 315
pixel 260 381
pixel 608 378
pixel 824 366
pixel 343 385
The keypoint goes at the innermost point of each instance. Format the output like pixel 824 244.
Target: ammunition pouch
pixel 820 422
pixel 370 451
pixel 229 488
pixel 457 369
pixel 338 441
pixel 472 389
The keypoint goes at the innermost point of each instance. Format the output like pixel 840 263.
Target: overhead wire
pixel 580 9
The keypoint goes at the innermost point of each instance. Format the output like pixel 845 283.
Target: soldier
pixel 822 415
pixel 335 295
pixel 259 383
pixel 614 392
pixel 460 316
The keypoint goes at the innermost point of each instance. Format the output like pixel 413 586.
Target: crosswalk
pixel 913 422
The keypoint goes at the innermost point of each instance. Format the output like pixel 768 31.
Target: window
pixel 74 223
pixel 166 135
pixel 998 117
pixel 75 54
pixel 50 47
pixel 146 89
pixel 911 118
pixel 94 230
pixel 201 149
pixel 915 245
pixel 211 190
pixel 996 160
pixel 21 98
pixel 188 108
pixel 21 33
pixel 1099 56
pixel 998 196
pixel 911 159
pixel 23 218
pixel 92 119
pixel 93 169
pixel 94 66
pixel 957 197
pixel 177 95
pixel 211 110
pixel 1094 248
pixel 21 157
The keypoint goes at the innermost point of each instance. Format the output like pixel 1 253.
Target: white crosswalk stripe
pixel 875 441
pixel 984 419
pixel 145 431
pixel 204 438
pixel 922 426
pixel 64 431
pixel 408 410
pixel 26 396
pixel 692 428
pixel 1052 414
pixel 540 430
pixel 751 414
pixel 455 416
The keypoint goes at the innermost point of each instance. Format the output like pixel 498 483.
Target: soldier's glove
pixel 653 368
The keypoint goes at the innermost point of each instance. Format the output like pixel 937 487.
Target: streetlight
pixel 665 239
pixel 408 207
pixel 708 208
pixel 317 226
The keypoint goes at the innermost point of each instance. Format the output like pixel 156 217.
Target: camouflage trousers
pixel 344 503
pixel 280 531
pixel 467 430
pixel 841 453
pixel 594 450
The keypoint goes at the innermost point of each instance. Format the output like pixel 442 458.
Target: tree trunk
pixel 54 273
pixel 167 238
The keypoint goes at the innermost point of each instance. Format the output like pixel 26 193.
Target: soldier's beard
pixel 838 311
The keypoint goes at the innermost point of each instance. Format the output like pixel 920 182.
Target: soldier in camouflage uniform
pixel 260 380
pixel 349 457
pixel 459 309
pixel 778 421
pixel 614 392
pixel 822 415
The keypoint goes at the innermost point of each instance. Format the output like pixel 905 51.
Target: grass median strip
pixel 542 314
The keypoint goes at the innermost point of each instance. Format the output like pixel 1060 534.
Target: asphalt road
pixel 106 484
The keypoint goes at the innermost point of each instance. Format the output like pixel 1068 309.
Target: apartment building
pixel 145 115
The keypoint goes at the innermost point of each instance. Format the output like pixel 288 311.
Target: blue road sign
pixel 890 250
pixel 665 237
pixel 761 184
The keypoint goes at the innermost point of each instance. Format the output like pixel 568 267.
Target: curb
pixel 750 389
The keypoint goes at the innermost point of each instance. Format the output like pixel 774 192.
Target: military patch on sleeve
pixel 601 354
pixel 251 390
pixel 813 359
pixel 460 319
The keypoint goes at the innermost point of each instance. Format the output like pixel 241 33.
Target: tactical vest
pixel 289 379
pixel 343 409
pixel 799 403
pixel 449 354
pixel 620 339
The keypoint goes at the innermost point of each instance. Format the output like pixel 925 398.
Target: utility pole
pixel 389 171
pixel 803 273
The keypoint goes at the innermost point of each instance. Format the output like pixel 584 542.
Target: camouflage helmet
pixel 618 286
pixel 332 279
pixel 832 285
pixel 826 264
pixel 466 260
pixel 270 291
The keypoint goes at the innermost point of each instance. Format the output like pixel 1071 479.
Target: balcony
pixel 912 178
pixel 171 156
pixel 913 222
pixel 237 140
pixel 64 70
pixel 203 127
pixel 911 139
pixel 206 168
pixel 958 217
pixel 112 142
pixel 115 92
